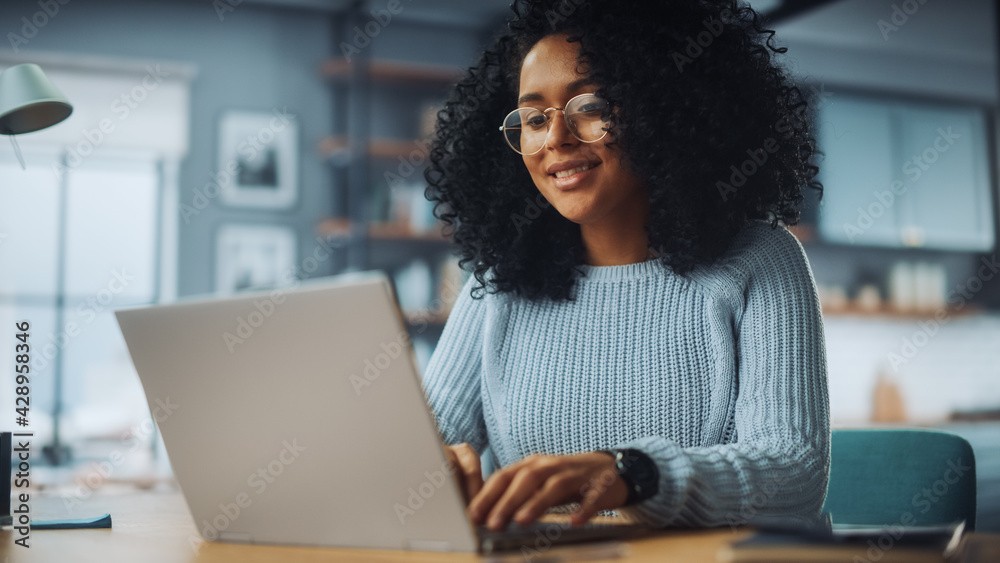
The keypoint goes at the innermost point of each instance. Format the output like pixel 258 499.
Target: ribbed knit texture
pixel 719 376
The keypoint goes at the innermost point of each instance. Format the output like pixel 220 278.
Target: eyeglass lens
pixel 527 128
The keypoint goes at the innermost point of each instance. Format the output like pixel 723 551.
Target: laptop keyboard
pixel 541 535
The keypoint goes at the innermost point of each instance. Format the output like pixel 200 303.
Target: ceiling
pixel 461 12
pixel 957 29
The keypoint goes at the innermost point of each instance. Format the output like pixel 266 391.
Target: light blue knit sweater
pixel 719 376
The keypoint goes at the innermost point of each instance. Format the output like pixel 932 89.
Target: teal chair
pixel 908 477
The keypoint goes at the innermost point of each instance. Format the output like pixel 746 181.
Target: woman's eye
pixel 536 121
pixel 593 107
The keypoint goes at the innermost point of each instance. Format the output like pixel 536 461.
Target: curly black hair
pixel 696 104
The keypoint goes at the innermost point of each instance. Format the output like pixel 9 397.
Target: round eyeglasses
pixel 526 129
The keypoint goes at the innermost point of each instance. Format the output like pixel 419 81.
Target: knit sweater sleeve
pixel 778 463
pixel 452 378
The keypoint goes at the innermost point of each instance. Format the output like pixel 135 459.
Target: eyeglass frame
pixel 548 123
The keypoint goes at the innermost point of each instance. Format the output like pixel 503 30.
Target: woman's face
pixel 600 189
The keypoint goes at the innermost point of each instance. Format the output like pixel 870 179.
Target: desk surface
pixel 156 528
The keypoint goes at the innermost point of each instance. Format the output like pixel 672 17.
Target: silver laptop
pixel 297 417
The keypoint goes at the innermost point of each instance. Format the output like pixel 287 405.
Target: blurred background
pixel 223 145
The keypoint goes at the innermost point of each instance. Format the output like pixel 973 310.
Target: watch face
pixel 639 473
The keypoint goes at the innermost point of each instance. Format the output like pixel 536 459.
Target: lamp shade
pixel 28 101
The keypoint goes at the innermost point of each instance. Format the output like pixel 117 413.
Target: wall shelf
pixel 432 319
pixel 395 72
pixel 891 313
pixel 337 148
pixel 383 112
pixel 386 232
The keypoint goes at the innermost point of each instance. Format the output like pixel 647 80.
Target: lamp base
pixel 57 454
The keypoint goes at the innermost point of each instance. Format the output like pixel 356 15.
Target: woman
pixel 639 333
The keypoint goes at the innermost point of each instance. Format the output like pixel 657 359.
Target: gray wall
pixel 942 49
pixel 256 59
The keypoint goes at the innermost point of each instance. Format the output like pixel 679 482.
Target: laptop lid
pixel 298 417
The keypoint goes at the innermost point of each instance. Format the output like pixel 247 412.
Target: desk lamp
pixel 29 102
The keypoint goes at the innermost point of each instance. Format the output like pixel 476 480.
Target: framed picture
pixel 254 257
pixel 258 152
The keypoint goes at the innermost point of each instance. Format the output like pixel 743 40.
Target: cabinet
pixel 385 111
pixel 905 174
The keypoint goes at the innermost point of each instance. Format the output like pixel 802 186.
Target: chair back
pixel 902 477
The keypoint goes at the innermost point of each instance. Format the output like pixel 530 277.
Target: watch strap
pixel 638 471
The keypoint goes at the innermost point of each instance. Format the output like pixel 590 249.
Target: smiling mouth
pixel 572 171
pixel 573 178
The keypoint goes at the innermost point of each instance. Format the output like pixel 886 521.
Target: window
pixel 73 247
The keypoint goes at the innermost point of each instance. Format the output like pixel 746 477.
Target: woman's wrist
pixel 638 471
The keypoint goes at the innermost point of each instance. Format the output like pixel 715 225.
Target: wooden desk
pixel 156 528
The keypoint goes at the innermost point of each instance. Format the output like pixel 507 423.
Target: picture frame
pixel 249 256
pixel 258 159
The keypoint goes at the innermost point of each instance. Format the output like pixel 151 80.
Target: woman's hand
pixel 523 491
pixel 464 461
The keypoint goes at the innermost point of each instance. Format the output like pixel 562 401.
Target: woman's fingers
pixel 489 494
pixel 604 490
pixel 526 489
pixel 469 470
pixel 558 489
pixel 525 484
pixel 452 458
pixel 464 463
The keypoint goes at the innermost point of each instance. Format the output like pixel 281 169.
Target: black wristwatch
pixel 638 471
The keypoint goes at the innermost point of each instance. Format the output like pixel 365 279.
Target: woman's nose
pixel 559 133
